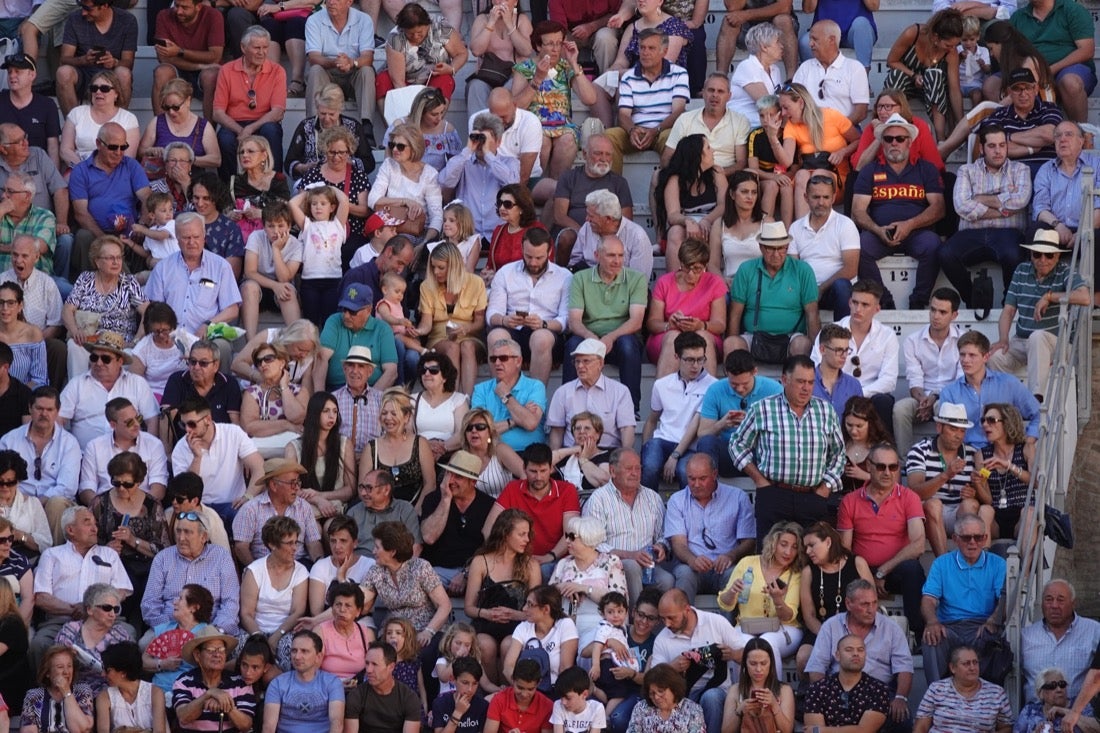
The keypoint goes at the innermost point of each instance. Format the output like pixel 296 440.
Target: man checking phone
pixel 190 39
pixel 724 406
pixel 97 37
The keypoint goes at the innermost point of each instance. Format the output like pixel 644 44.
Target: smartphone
pixel 98 50
pixel 891 231
pixel 780 584
pixel 125 520
pixel 160 41
pixel 521 314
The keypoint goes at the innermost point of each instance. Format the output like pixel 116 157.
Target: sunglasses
pixel 104 88
pixel 971 537
pixel 478 426
pixel 857 372
pixel 1043 255
pixel 506 204
pixel 38 468
pixel 105 358
pixel 989 420
pixel 571 536
pixel 265 359
pixel 132 422
pixel 200 362
pixel 123 484
pixel 707 541
pixel 821 90
pixel 9 484
pixel 1059 685
pixel 116 148
pixel 399 147
pixel 431 369
pixel 7 539
pixel 189 516
pixel 109 608
pixel 172 107
pixel 192 424
pixel 894 138
pixel 891 467
pixel 817 180
pixel 252 99
pixel 501 357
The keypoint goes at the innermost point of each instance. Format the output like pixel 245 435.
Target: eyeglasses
pixel 109 258
pixel 115 148
pixel 887 105
pixel 285 482
pixel 431 369
pixel 1059 685
pixel 857 372
pixel 220 650
pixel 189 516
pixel 501 357
pixel 478 426
pixel 132 422
pixel 839 349
pixel 707 541
pixel 639 616
pixel 105 358
pixel 252 99
pixel 693 359
pixel 968 538
pixel 192 424
pixel 990 420
pixel 891 467
pixel 1043 255
pixel 894 138
pixel 817 180
pixel 265 359
pixel 821 89
pixel 109 608
pixel 506 204
pixel 87 7
pixel 13 191
pixel 7 539
pixel 337 153
pixel 571 536
pixel 172 107
pixel 399 147
pixel 369 487
pixel 9 484
pixel 117 483
pixel 38 468
pixel 8 302
pixel 200 362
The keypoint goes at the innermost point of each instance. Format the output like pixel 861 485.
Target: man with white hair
pixel 841 82
pixel 1062 638
pixel 604 218
pixel 42 300
pixel 20 215
pixel 570 197
pixel 858 32
pixel 480 169
pixel 590 391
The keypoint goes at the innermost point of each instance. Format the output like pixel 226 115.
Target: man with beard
pixel 529 304
pixel 570 207
pixel 896 203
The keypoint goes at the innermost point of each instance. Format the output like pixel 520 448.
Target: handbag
pixel 769 348
pixel 981 294
pixel 760 625
pixel 493 70
pixel 284 15
pixel 817 161
pixel 408 226
pixel 1057 526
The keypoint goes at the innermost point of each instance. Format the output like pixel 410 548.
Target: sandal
pixel 297 89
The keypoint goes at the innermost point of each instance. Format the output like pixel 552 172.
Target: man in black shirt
pixel 451 519
pixel 381 704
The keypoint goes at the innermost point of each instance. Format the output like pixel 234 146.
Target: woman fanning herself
pixel 691 195
pixel 760 701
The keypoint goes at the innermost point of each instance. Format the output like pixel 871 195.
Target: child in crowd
pixel 156 355
pixel 322 234
pixel 459 640
pixel 973 60
pixel 522 707
pixel 458 229
pixel 256 666
pixel 573 711
pixel 392 310
pixel 272 258
pixel 775 181
pixel 401 635
pixel 463 706
pixel 160 236
pixel 609 648
pixel 379 228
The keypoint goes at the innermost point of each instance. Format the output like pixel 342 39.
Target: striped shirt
pixel 1025 291
pixel 651 102
pixel 786 448
pixel 1011 185
pixel 628 527
pixel 1043 113
pixel 189 686
pixel 925 458
pixel 1072 653
pixel 361 424
pixel 950 712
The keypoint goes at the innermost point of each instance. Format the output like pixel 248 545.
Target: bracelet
pixel 899 696
pixel 554 555
pixel 430 630
pixel 1030 150
pixel 158 665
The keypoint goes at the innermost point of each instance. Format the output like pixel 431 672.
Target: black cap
pixel 19 61
pixel 1021 76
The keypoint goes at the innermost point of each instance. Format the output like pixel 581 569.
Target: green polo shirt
pixel 1055 36
pixel 782 298
pixel 606 307
pixel 376 335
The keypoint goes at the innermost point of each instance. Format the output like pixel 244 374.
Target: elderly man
pixel 481 168
pixel 883 523
pixel 668 438
pixel 591 392
pixel 202 378
pixel 1063 33
pixel 358 402
pixel 652 95
pixel 452 519
pixel 724 406
pixel 841 82
pixel 855 20
pixel 962 598
pixel 210 695
pixel 633 517
pixel 710 526
pixel 727 131
pixel 125 435
pixel 223 455
pixel 42 300
pixel 49 191
pixel 377 505
pixel 189 42
pixel 382 702
pixel 81 400
pixel 607 305
pixel 19 216
pixel 604 218
pixel 355 326
pixel 896 203
pixel 687 629
pixel 1034 299
pixel 250 99
pixel 193 559
pixel 65 571
pixel 279 497
pixel 991 196
pixel 828 242
pixel 96 36
pixel 37 114
pixel 773 299
pixel 868 699
pixel 887 650
pixel 340 50
pixel 570 207
pixel 515 401
pixel 1062 639
pixel 791 447
pixel 539 326
pixel 185 495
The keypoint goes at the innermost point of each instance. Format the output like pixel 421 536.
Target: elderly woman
pixel 733 238
pixel 179 124
pixel 1051 689
pixel 517 213
pixel 400 450
pixel 499 462
pixel 543 84
pixel 775 589
pixel 179 162
pixel 421 50
pixel 305 151
pixel 81 128
pixel 211 696
pixel 665 705
pixel 924 61
pixel 101 627
pixel 452 313
pixel 1007 457
pixel 128 702
pixel 404 585
pixel 104 299
pixel 440 409
pixel 344 636
pixel 408 188
pixel 24 513
pixel 585 463
pixel 300 340
pixel 546 623
pixel 60 703
pixel 26 341
pixel 690 194
pixel 210 197
pixel 760 73
pixel 191 612
pixel 273 409
pixel 964 701
pixel 687 300
pixel 586 575
pixel 258 183
pixel 274 589
pixel 429 113
pixel 327 456
pixel 15 670
pixel 479 169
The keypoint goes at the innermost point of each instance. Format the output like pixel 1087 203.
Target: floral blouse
pixel 419 60
pixel 150 525
pixel 117 309
pixel 270 400
pixel 553 101
pixel 673 27
pixel 223 237
pixel 70 636
pixel 357 183
pixel 686 717
pixel 407 595
pixel 605 573
pixel 38 698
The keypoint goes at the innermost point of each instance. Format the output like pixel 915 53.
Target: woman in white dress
pixel 733 237
pixel 439 408
pixel 759 74
pixel 128 702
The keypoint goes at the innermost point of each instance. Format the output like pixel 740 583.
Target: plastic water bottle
pixel 746 582
pixel 647 573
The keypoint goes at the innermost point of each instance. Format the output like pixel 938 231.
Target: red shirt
pixel 879 535
pixel 574 12
pixel 922 147
pixel 503 708
pixel 548 513
pixel 505 246
pixel 231 93
pixel 207 32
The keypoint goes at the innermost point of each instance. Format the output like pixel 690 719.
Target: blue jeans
pixel 719 449
pixel 227 141
pixel 626 354
pixel 921 245
pixel 860 37
pixel 62 254
pixel 836 298
pixel 712 701
pixel 655 452
pixel 970 247
pixel 618 721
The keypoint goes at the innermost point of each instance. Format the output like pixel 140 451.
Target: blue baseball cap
pixel 356 297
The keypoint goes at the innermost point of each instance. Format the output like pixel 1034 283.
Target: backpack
pixel 533 649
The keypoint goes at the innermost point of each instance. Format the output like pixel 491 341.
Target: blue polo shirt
pixel 965 591
pixel 898 196
pixel 108 194
pixel 526 390
pixel 376 335
pixel 846 387
pixel 720 399
pixel 996 387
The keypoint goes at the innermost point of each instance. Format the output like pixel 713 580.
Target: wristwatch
pixel 677 454
pixel 880 575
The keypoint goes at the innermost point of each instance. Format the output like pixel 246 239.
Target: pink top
pixel 878 536
pixel 344 655
pixel 695 302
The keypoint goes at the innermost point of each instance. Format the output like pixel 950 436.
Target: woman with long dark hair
pixel 924 61
pixel 1013 50
pixel 759 693
pixel 691 195
pixel 862 428
pixel 327 456
pixel 733 236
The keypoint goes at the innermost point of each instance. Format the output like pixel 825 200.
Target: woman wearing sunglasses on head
pixel 103 625
pixel 407 187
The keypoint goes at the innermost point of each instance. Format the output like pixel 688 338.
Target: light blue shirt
pixel 195 295
pixel 354 40
pixel 1061 194
pixel 58 466
pixel 887 648
pixel 476 181
pixel 727 519
pixel 720 399
pixel 996 387
pixel 965 591
pixel 526 390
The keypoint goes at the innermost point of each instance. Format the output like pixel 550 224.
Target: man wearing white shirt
pixel 522 139
pixel 838 81
pixel 64 572
pixel 686 629
pixel 828 242
pixel 529 304
pixel 874 357
pixel 603 218
pixel 42 301
pixel 931 358
pixel 126 435
pixel 221 454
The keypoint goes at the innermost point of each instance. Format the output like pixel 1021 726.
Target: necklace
pixel 821 612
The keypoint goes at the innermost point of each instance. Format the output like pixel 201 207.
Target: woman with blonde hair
pixel 429 113
pixel 301 342
pixel 104 104
pixel 15 671
pixel 499 462
pixel 256 184
pixel 324 111
pixel 459 229
pixel 400 450
pixel 406 186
